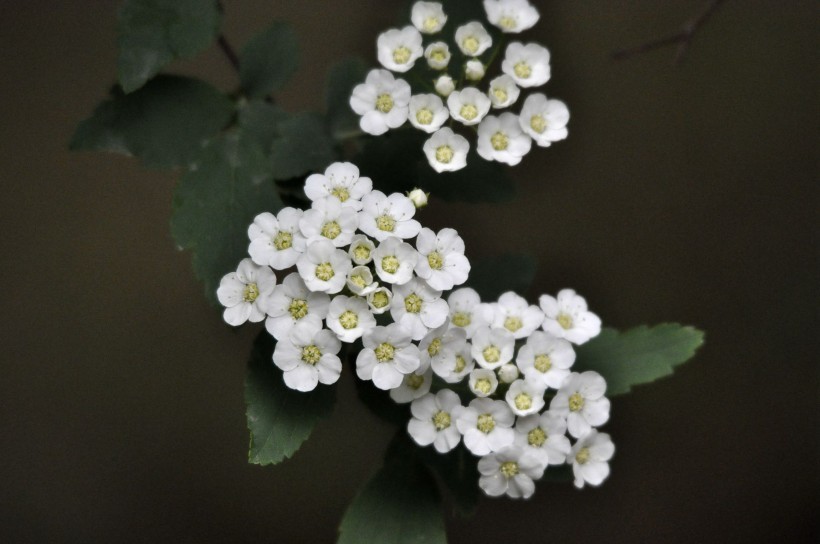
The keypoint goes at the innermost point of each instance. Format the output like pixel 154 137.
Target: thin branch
pixel 683 38
pixel 229 51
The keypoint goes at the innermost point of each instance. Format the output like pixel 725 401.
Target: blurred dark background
pixel 682 194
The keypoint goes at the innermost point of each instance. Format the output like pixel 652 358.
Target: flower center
pixel 461 363
pixel 384 352
pixel 470 44
pixel 349 320
pixel 523 401
pixel 536 437
pixel 461 319
pixel 401 55
pixel 491 354
pixel 483 385
pixel 390 264
pixel 513 323
pixel 485 423
pixel 414 381
pixel 412 303
pixel 357 280
pixel 434 347
pixel 444 154
pixel 500 141
pixel 424 116
pixel 324 271
pixel 250 292
pixel 542 363
pixel 509 469
pixel 362 253
pixel 582 456
pixel 298 308
pixel 576 402
pixel 507 23
pixel 435 260
pixel 468 111
pixel 311 354
pixel 341 193
pixel 331 230
pixel 565 321
pixel 386 223
pixel 441 420
pixel 438 55
pixel 538 123
pixel 430 24
pixel 500 94
pixel 384 103
pixel 522 70
pixel 282 240
pixel 380 299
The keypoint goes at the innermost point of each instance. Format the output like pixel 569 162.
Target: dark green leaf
pixel 216 201
pixel 260 120
pixel 302 146
pixel 639 355
pixel 479 181
pixel 279 418
pixel 458 472
pixel 152 33
pixel 492 276
pixel 340 82
pixel 164 123
pixel 268 60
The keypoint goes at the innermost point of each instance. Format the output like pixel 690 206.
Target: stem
pixel 229 52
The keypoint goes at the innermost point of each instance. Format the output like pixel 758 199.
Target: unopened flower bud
pixel 474 70
pixel 418 197
pixel 508 373
pixel 445 85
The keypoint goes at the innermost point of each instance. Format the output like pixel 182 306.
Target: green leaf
pixel 164 123
pixel 268 60
pixel 280 419
pixel 493 276
pixel 152 33
pixel 302 146
pixel 458 472
pixel 341 80
pixel 260 120
pixel 216 201
pixel 639 355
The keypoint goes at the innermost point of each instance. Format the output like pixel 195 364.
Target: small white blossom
pixel 398 49
pixel 511 471
pixel 438 56
pixel 503 91
pixel 323 267
pixel 341 181
pixel 387 356
pixel 427 112
pixel 413 385
pixel 428 17
pixel 418 197
pixel 507 373
pixel 360 281
pixel 545 436
pixel 445 85
pixel 581 400
pixel 361 249
pixel 567 317
pixel 502 139
pixel 545 359
pixel 382 102
pixel 395 260
pixel 512 312
pixel 290 303
pixel 243 292
pixel 454 360
pixel 349 318
pixel 486 425
pixel 385 216
pixel 438 340
pixel 528 65
pixel 434 420
pixel 473 39
pixel 466 310
pixel 544 120
pixel 308 357
pixel 379 300
pixel 525 397
pixel 442 263
pixel 492 347
pixel 474 70
pixel 446 151
pixel 417 307
pixel 511 16
pixel 276 241
pixel 590 458
pixel 482 382
pixel 329 219
pixel 468 106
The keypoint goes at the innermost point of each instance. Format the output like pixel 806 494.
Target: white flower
pixel 276 241
pixel 508 373
pixel 544 120
pixel 502 139
pixel 381 101
pixel 243 292
pixel 323 267
pixel 360 281
pixel 308 356
pixel 414 385
pixel 482 382
pixel 486 425
pixel 387 356
pixel 512 312
pixel 492 347
pixel 445 85
pixel 428 17
pixel 454 360
pixel 544 436
pixel 465 310
pixel 384 216
pixel 589 457
pixel 503 91
pixel 511 16
pixel 446 151
pixel 524 397
pixel 341 181
pixel 427 112
pixel 361 249
pixel 468 106
pixel 349 318
pixel 418 197
pixel 417 307
pixel 438 341
pixel 474 70
pixel 379 300
pixel 398 49
pixel 395 260
pixel 438 56
pixel 545 359
pixel 473 39
pixel 434 420
pixel 581 400
pixel 329 219
pixel 567 317
pixel 442 263
pixel 510 471
pixel 528 65
pixel 290 303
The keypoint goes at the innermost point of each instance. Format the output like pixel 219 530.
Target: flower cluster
pixel 387 102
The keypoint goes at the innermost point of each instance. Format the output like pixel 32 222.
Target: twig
pixel 683 38
pixel 229 52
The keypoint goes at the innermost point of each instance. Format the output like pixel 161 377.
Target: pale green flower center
pixel 401 55
pixel 430 24
pixel 522 70
pixel 461 364
pixel 358 280
pixel 385 352
pixel 250 292
pixel 576 402
pixel 582 456
pixel 379 299
pixel 324 271
pixel 538 123
pixel 385 223
pixel 341 193
pixel 362 253
pixel 470 44
pixel 349 320
pixel 414 381
pixel 298 308
pixel 499 141
pixel 434 347
pixel 468 112
pixel 500 94
pixel 412 303
pixel 507 23
pixel 444 154
pixel 491 354
pixel 513 323
pixel 424 116
pixel 390 264
pixel 384 103
pixel 543 363
pixel 331 230
pixel 523 401
pixel 536 437
pixel 565 321
pixel 311 354
pixel 438 55
pixel 485 423
pixel 282 240
pixel 435 260
pixel 441 420
pixel 461 319
pixel 509 469
pixel 483 385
